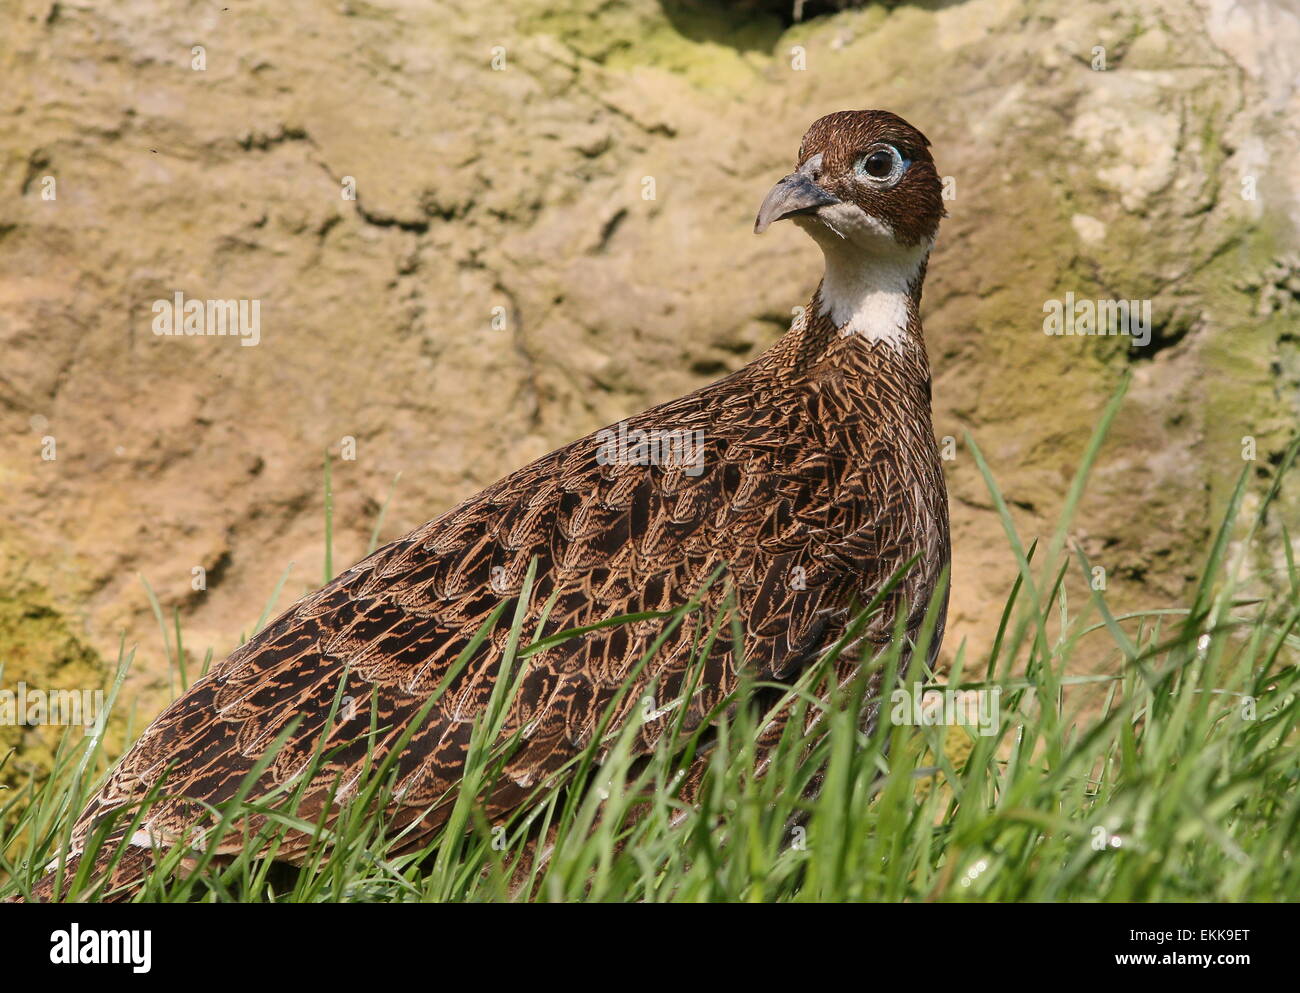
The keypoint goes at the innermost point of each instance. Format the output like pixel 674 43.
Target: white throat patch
pixel 868 274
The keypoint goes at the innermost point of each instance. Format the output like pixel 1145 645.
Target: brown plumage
pixel 817 477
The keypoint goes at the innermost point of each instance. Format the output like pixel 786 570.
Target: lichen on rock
pixel 477 231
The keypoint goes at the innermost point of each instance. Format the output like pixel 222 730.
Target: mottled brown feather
pixel 819 460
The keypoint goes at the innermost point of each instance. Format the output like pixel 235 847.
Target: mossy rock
pixel 39 650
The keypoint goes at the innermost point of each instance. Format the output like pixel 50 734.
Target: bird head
pixel 864 181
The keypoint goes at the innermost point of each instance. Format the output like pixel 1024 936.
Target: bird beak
pixel 796 194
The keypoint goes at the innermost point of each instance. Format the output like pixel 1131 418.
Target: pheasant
pixel 809 478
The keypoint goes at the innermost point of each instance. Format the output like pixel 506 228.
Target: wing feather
pixel 793 523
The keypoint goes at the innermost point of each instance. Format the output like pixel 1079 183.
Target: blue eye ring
pixel 869 165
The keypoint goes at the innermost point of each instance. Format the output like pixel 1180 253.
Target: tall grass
pixel 1171 777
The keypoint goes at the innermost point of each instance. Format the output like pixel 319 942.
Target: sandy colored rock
pixel 503 280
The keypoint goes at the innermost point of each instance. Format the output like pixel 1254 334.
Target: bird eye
pixel 884 165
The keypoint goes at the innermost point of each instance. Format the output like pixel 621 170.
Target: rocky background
pixel 502 283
